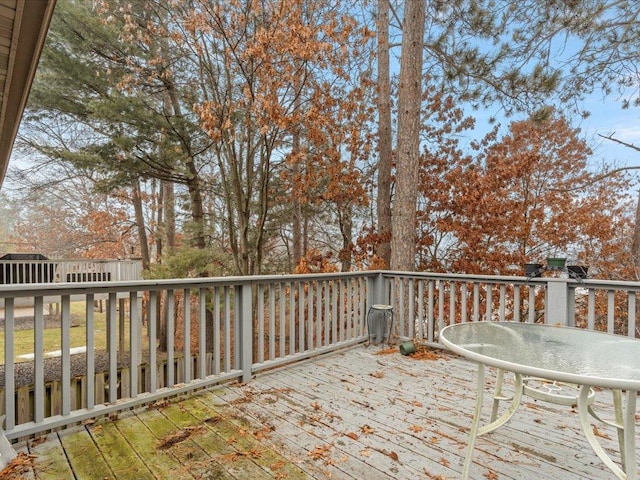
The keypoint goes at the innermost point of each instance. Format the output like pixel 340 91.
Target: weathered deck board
pixel 351 415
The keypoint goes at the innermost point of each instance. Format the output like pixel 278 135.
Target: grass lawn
pixel 24 339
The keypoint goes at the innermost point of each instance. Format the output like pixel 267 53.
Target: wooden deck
pixel 357 414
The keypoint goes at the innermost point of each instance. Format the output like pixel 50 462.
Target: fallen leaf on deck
pixel 170 440
pixel 17 467
pixel 277 465
pixel 366 429
pixel 491 476
pixel 352 435
pixel 316 406
pixel 212 420
pixel 319 452
pixel 600 434
pixel 377 374
pixel 416 428
pixel 394 456
pixel 444 462
pixel 387 351
pixel 38 441
pixel 366 452
pixel 253 453
pixel 262 434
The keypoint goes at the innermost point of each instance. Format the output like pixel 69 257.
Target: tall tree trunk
pixel 169 215
pixel 140 224
pixel 159 234
pixel 169 208
pixel 384 135
pixel 403 244
pixel 345 215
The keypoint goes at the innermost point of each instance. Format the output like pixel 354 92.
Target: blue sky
pixel 607 118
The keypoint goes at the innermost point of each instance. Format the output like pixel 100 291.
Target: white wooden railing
pixel 57 271
pixel 223 329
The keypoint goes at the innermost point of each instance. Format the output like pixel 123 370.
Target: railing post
pixel 245 334
pixel 557 302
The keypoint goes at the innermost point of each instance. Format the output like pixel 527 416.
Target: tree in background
pixel 522 56
pixel 531 195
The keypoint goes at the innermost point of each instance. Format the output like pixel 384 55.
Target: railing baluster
pixel 186 328
pixel 301 310
pixel 202 333
pixel 272 322
pixel 516 303
pixel 631 314
pixel 216 331
pixel 65 343
pixel 611 310
pixel 441 292
pixel 503 302
pixel 489 302
pixel 38 359
pixel 452 302
pixel 282 320
pixel 463 302
pixel 591 309
pixel 310 299
pixel 152 326
pixel 336 291
pixel 327 312
pixel 171 303
pixel 532 304
pixel 260 296
pixel 90 349
pixel 430 317
pixel 476 302
pixel 412 315
pixel 113 353
pixel 134 340
pixel 421 315
pixel 9 364
pixel 292 319
pixel 227 329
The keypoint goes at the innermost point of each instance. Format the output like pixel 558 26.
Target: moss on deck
pixel 186 438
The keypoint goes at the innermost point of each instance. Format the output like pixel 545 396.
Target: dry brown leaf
pixel 387 351
pixel 377 374
pixel 366 429
pixel 319 452
pixel 600 434
pixel 277 465
pixel 18 467
pixel 212 420
pixel 181 436
pixel 262 434
pixel 394 456
pixel 444 462
pixel 365 453
pixel 434 440
pixel 416 428
pixel 316 406
pixel 37 441
pixel 352 435
pixel 491 476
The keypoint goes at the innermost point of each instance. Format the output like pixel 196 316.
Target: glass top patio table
pixel 572 355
